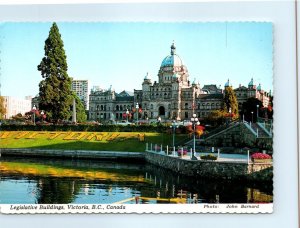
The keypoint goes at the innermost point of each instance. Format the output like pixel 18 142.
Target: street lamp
pixel 34 109
pixel 195 122
pixel 137 113
pixel 127 113
pixel 174 126
pixel 257 106
pixel 42 115
pixel 159 120
pixel 252 116
pixel 230 114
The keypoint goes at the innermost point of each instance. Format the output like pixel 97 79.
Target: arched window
pixel 186 105
pixel 101 107
pixel 121 108
pixel 151 106
pixel 117 107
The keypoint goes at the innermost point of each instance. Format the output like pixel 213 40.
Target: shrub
pixel 209 157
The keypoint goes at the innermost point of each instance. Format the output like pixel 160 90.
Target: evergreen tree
pixel 80 111
pixel 251 106
pixel 230 101
pixel 55 88
pixel 2 108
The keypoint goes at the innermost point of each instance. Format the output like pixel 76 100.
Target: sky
pixel 121 53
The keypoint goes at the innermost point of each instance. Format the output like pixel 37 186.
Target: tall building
pixel 172 96
pixel 15 106
pixel 81 88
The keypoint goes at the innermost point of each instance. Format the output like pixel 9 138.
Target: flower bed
pixel 181 152
pixel 209 157
pixel 261 158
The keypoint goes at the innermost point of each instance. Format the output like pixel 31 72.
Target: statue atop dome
pixel 173 48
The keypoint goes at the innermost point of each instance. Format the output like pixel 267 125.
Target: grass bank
pixel 100 141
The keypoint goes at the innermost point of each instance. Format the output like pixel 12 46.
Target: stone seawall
pixel 212 169
pixel 81 154
pixel 195 168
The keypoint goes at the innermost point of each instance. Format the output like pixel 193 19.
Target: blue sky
pixel 120 54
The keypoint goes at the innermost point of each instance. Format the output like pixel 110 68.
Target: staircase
pixel 236 134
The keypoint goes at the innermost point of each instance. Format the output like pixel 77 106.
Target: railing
pixel 188 154
pixel 263 127
pixel 250 128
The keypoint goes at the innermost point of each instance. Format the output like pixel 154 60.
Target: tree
pixel 80 111
pixel 2 108
pixel 251 106
pixel 55 91
pixel 230 102
pixel 216 117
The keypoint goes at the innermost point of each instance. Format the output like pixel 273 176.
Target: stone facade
pixel 172 97
pixel 108 105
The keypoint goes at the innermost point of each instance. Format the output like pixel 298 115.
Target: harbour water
pixel 65 181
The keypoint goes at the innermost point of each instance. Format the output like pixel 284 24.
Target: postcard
pixel 136 117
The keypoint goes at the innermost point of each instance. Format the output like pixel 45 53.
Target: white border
pixel 281 13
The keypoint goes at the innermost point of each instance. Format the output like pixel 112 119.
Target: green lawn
pixel 105 141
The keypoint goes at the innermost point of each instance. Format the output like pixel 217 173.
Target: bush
pixel 209 157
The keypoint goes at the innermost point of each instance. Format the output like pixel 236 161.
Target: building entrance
pixel 161 111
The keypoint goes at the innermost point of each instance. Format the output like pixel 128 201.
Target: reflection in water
pixel 53 181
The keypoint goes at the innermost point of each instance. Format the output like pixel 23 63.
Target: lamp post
pixel 42 115
pixel 34 109
pixel 229 115
pixel 159 120
pixel 127 113
pixel 257 106
pixel 195 122
pixel 174 126
pixel 252 116
pixel 137 113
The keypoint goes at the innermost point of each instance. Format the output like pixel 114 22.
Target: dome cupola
pixel 172 60
pixel 259 87
pixel 251 83
pixel 227 83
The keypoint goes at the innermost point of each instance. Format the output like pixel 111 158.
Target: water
pixel 54 181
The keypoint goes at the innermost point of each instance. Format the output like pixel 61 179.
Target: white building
pixel 15 106
pixel 81 88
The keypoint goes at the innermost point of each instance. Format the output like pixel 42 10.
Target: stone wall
pixel 82 154
pixel 208 169
pixel 238 136
pixel 235 136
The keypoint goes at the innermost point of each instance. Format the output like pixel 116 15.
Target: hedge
pixel 94 128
